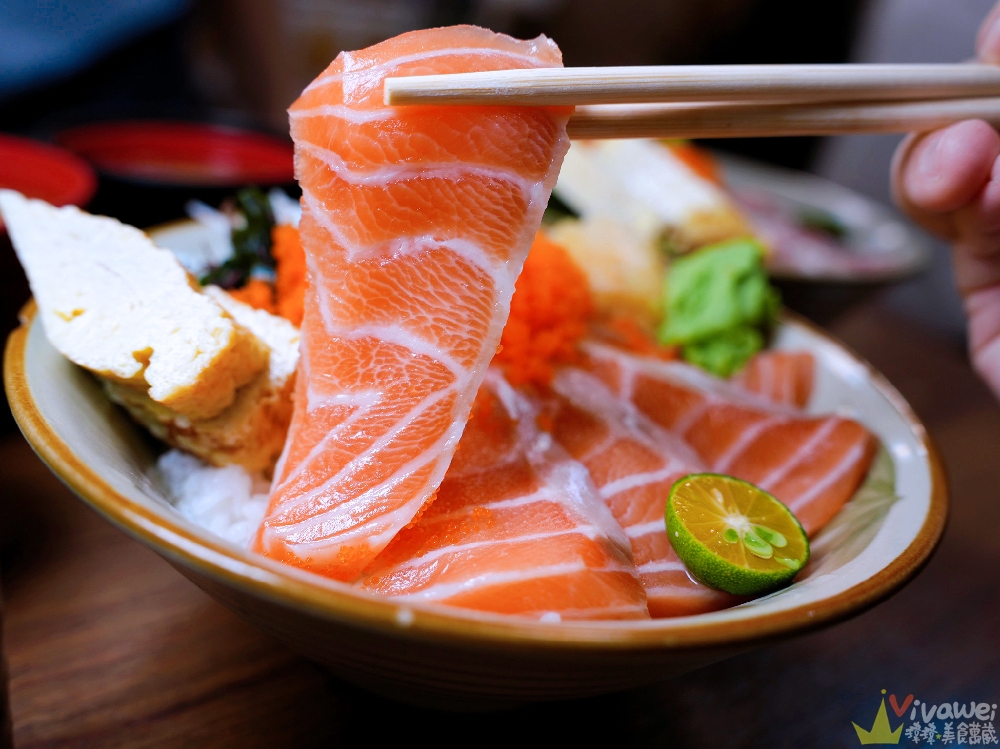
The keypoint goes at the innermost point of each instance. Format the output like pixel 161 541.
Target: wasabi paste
pixel 719 305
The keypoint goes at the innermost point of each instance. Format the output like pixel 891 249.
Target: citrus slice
pixel 733 536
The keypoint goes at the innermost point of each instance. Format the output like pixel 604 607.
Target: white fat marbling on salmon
pixel 644 529
pixel 408 296
pixel 428 170
pixel 634 463
pixel 473 548
pixel 342 112
pixel 360 75
pixel 802 454
pixel 444 591
pixel 523 61
pixel 665 565
pixel 398 247
pixel 845 464
pixel 779 376
pixel 570 477
pixel 749 436
pixel 380 443
pixel 813 477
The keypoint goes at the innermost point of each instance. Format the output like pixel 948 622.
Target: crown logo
pixel 881 732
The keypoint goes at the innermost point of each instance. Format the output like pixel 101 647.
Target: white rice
pixel 228 501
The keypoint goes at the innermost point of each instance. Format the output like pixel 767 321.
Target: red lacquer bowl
pixel 43 171
pixel 181 153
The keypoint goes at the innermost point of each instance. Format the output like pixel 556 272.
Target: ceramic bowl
pixel 877 247
pixel 452 659
pixel 149 169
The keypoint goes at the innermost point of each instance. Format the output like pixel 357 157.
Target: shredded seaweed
pixel 556 210
pixel 251 238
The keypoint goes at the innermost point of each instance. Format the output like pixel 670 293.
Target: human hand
pixel 948 181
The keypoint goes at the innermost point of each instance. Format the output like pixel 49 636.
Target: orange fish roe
pixel 698 160
pixel 285 298
pixel 545 421
pixel 549 313
pixel 290 270
pixel 627 333
pixel 257 293
pixel 422 510
pixel 487 416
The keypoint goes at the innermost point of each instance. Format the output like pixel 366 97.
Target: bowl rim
pixel 292 588
pixel 49 156
pixel 765 176
pixel 80 139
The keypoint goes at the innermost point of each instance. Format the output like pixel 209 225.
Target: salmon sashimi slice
pixel 633 463
pixel 517 528
pixel 784 377
pixel 416 222
pixel 812 464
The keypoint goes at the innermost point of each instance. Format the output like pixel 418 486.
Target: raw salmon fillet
pixel 634 463
pixel 812 464
pixel 784 377
pixel 416 222
pixel 517 528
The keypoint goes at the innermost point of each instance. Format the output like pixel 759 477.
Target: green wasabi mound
pixel 719 305
pixel 725 353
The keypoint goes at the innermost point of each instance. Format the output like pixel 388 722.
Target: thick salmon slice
pixel 416 222
pixel 812 464
pixel 517 528
pixel 784 377
pixel 634 463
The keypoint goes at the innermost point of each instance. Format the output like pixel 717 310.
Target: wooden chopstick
pixel 628 85
pixel 754 120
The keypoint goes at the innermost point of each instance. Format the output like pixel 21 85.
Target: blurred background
pixel 241 62
pixel 244 61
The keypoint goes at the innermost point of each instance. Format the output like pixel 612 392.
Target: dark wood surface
pixel 108 646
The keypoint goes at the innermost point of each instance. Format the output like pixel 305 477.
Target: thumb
pixel 936 173
pixel 983 310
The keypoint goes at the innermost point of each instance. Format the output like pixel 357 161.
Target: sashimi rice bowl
pixel 432 431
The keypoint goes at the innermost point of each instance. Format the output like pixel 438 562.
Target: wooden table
pixel 108 646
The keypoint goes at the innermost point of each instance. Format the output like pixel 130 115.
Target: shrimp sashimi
pixel 812 464
pixel 517 528
pixel 634 463
pixel 416 222
pixel 784 377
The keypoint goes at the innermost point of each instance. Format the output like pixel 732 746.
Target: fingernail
pixel 988 43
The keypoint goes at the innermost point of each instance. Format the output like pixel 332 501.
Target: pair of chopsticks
pixel 728 101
